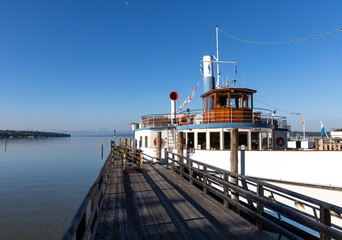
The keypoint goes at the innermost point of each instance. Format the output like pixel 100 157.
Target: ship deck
pixel 158 204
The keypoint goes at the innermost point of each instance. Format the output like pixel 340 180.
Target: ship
pixel 264 150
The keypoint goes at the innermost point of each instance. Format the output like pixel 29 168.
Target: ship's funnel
pixel 173 97
pixel 208 73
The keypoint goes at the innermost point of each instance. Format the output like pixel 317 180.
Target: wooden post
pixel 159 147
pixel 205 179
pixel 112 150
pixel 124 161
pixel 260 206
pixel 81 227
pixel 141 160
pixel 180 150
pixel 325 218
pixel 234 161
pixel 173 162
pixel 191 172
pixel 225 190
pixel 101 151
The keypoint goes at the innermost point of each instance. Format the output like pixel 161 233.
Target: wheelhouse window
pixel 226 140
pixel 146 141
pixel 215 140
pixel 235 100
pixel 191 140
pixel 202 140
pixel 212 104
pixel 221 100
pixel 247 101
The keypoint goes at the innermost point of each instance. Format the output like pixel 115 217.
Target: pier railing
pixel 230 115
pixel 250 197
pixel 82 224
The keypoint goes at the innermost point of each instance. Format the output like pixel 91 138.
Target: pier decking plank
pixel 158 204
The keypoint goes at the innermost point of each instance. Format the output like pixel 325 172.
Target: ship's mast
pixel 217 60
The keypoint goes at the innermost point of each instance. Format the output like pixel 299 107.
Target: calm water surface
pixel 43 181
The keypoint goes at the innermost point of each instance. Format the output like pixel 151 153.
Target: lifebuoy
pixel 280 141
pixel 182 121
pixel 155 142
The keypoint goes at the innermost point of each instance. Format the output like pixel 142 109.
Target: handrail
pixel 259 199
pixel 200 116
pixel 79 227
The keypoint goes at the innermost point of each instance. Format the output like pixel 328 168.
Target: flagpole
pixel 303 127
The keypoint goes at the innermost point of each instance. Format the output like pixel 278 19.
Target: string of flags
pixel 282 42
pixel 188 99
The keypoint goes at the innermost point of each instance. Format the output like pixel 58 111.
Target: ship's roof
pixel 227 90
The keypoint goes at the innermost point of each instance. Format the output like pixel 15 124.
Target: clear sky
pixel 102 64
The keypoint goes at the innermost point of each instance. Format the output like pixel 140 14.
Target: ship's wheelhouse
pixel 228 105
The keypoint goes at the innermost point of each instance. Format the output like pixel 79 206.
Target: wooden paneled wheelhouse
pixel 228 105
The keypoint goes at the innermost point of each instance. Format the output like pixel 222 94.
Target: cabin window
pixel 243 136
pixel 140 142
pixel 146 141
pixel 255 141
pixel 201 141
pixel 215 140
pixel 221 100
pixel 226 140
pixel 264 141
pixel 270 141
pixel 191 140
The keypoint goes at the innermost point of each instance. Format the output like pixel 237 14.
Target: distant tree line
pixel 29 134
pixel 307 134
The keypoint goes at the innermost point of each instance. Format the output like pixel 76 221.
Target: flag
pixel 303 120
pixel 322 130
pixel 235 69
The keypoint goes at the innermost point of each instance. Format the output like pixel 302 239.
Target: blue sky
pixel 103 64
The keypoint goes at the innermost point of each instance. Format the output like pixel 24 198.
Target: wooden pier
pixel 186 199
pixel 158 204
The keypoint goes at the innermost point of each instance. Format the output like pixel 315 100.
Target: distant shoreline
pixel 29 134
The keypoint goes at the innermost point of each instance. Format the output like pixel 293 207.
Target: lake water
pixel 43 181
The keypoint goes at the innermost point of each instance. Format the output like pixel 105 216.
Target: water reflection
pixel 42 182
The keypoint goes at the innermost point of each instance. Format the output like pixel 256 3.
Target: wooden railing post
pixel 205 179
pixel 112 149
pixel 260 206
pixel 81 227
pixel 141 160
pixel 325 218
pixel 94 197
pixel 191 172
pixel 180 151
pixel 173 162
pixel 124 161
pixel 159 147
pixel 225 190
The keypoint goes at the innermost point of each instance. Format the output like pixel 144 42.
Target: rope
pixel 281 42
